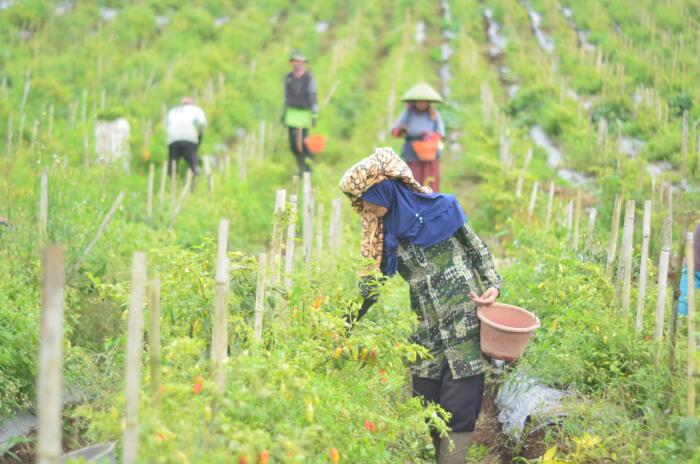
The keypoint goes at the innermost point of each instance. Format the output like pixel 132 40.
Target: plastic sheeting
pixel 521 398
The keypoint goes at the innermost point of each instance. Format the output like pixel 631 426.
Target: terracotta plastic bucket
pixel 315 143
pixel 505 330
pixel 426 150
pixel 103 454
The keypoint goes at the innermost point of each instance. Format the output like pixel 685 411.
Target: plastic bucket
pixel 315 143
pixel 426 150
pixel 505 330
pixel 102 453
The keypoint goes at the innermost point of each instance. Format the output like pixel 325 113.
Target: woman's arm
pixel 480 257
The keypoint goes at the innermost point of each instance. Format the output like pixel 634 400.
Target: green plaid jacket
pixel 440 277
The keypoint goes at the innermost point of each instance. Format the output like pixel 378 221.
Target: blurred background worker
pixel 185 129
pixel 423 129
pixel 300 108
pixel 683 300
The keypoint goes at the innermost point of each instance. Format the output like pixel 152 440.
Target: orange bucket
pixel 426 150
pixel 315 143
pixel 505 330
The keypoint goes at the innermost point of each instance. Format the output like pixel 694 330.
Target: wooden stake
pixel 521 177
pixel 50 380
pixel 550 203
pixel 569 219
pixel 163 179
pixel 173 186
pixel 577 220
pixel 43 205
pixel 149 201
pixel 260 297
pixel 533 199
pixel 183 194
pixel 684 142
pixel 590 229
pixel 319 232
pixel 612 248
pixel 100 230
pixel 134 352
pixel 643 268
pixel 690 262
pixel 154 338
pixel 277 235
pixel 334 228
pixel 626 252
pixel 662 283
pixel 219 345
pixel 291 237
pixel 308 215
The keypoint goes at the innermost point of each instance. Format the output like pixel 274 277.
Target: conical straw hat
pixel 422 92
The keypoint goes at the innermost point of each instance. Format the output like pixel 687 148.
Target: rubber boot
pixel 455 453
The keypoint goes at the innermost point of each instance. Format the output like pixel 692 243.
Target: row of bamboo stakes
pixel 626 265
pixel 49 384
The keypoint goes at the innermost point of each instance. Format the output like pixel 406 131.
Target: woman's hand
pixel 487 298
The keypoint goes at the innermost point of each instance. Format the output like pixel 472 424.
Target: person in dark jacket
pixel 300 108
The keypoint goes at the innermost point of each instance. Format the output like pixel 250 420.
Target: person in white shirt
pixel 185 129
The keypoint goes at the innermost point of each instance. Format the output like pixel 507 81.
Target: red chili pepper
pixel 264 457
pixel 198 384
pixel 369 425
pixel 334 455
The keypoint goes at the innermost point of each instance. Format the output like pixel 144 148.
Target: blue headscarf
pixel 423 219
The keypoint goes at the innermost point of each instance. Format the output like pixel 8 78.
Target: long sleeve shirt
pixel 440 278
pixel 416 124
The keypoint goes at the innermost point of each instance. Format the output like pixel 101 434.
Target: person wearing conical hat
pixel 425 238
pixel 422 128
pixel 300 108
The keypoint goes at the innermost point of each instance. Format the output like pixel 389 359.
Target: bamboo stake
pixel 260 297
pixel 219 345
pixel 10 129
pixel 577 220
pixel 569 219
pixel 277 235
pixel 163 179
pixel 590 229
pixel 334 228
pixel 627 247
pixel 154 338
pixel 550 203
pixel 684 142
pixel 643 268
pixel 612 248
pixel 308 215
pixel 43 205
pixel 690 262
pixel 662 283
pixel 291 237
pixel 319 232
pixel 675 285
pixel 521 177
pixel 100 230
pixel 134 349
pixel 183 195
pixel 533 199
pixel 149 201
pixel 49 381
pixel 173 186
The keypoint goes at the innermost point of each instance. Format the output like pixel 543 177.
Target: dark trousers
pixel 186 150
pixel 460 397
pixel 297 142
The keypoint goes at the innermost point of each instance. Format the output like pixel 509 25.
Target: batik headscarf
pixel 383 164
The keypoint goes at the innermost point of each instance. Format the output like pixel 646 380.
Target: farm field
pixel 204 319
